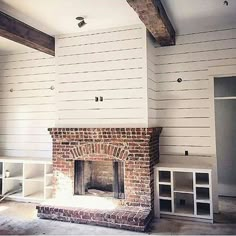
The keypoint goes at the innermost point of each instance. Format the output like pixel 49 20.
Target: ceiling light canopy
pixel 81 21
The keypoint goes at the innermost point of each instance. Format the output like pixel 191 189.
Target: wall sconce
pixel 179 80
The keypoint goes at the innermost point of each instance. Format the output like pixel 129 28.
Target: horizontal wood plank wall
pixel 107 63
pixel 27 111
pixel 184 110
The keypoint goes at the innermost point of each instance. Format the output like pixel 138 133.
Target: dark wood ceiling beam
pixel 22 33
pixel 153 15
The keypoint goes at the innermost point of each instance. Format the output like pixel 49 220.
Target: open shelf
pixel 202 193
pixel 183 192
pixel 203 209
pixel 20 177
pixel 165 205
pixel 13 185
pixel 164 177
pixel 15 171
pixel 31 178
pixel 34 171
pixel 184 203
pixel 183 182
pixel 34 189
pixel 202 179
pixel 165 191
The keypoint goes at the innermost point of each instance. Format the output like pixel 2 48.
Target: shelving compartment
pixel 165 191
pixel 34 190
pixel 34 172
pixel 183 182
pixel 202 194
pixel 165 206
pixel 184 203
pixel 15 171
pixel 164 176
pixel 203 209
pixel 202 178
pixel 13 186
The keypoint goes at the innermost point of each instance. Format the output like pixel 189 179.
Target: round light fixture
pixel 81 21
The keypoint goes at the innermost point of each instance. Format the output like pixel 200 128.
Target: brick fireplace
pixel 117 161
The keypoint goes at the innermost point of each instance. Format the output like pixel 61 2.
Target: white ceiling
pixel 192 16
pixel 58 16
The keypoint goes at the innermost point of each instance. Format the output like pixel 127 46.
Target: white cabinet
pixel 27 179
pixel 183 191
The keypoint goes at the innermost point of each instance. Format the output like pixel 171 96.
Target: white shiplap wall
pixel 110 63
pixel 27 112
pixel 184 110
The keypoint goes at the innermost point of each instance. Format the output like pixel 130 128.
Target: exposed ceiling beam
pixel 153 15
pixel 22 33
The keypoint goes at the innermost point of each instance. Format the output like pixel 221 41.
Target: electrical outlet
pixel 186 153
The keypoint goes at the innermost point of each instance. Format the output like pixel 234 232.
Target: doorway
pixel 225 122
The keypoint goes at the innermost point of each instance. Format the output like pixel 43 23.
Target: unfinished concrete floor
pixel 20 218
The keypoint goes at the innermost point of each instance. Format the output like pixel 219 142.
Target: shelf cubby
pixel 202 178
pixel 184 203
pixel 202 193
pixel 13 185
pixel 33 190
pixel 203 209
pixel 165 191
pixel 15 171
pixel 164 177
pixel 165 205
pixel 34 172
pixel 183 182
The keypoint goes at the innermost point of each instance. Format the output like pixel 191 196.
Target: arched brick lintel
pixel 100 150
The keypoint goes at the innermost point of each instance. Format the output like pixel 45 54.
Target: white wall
pixel 27 112
pixel 110 63
pixel 184 110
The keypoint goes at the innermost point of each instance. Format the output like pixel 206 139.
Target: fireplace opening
pixel 99 178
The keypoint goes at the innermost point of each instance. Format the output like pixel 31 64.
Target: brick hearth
pixel 138 148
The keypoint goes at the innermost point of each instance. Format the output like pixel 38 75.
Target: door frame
pixel 214 72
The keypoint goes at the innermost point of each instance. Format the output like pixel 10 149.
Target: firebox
pixel 99 178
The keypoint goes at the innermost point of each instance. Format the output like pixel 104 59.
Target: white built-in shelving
pixel 183 191
pixel 29 179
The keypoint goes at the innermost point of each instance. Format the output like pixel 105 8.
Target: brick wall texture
pixel 138 148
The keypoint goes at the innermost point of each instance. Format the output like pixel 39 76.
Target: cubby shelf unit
pixel 28 178
pixel 183 191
